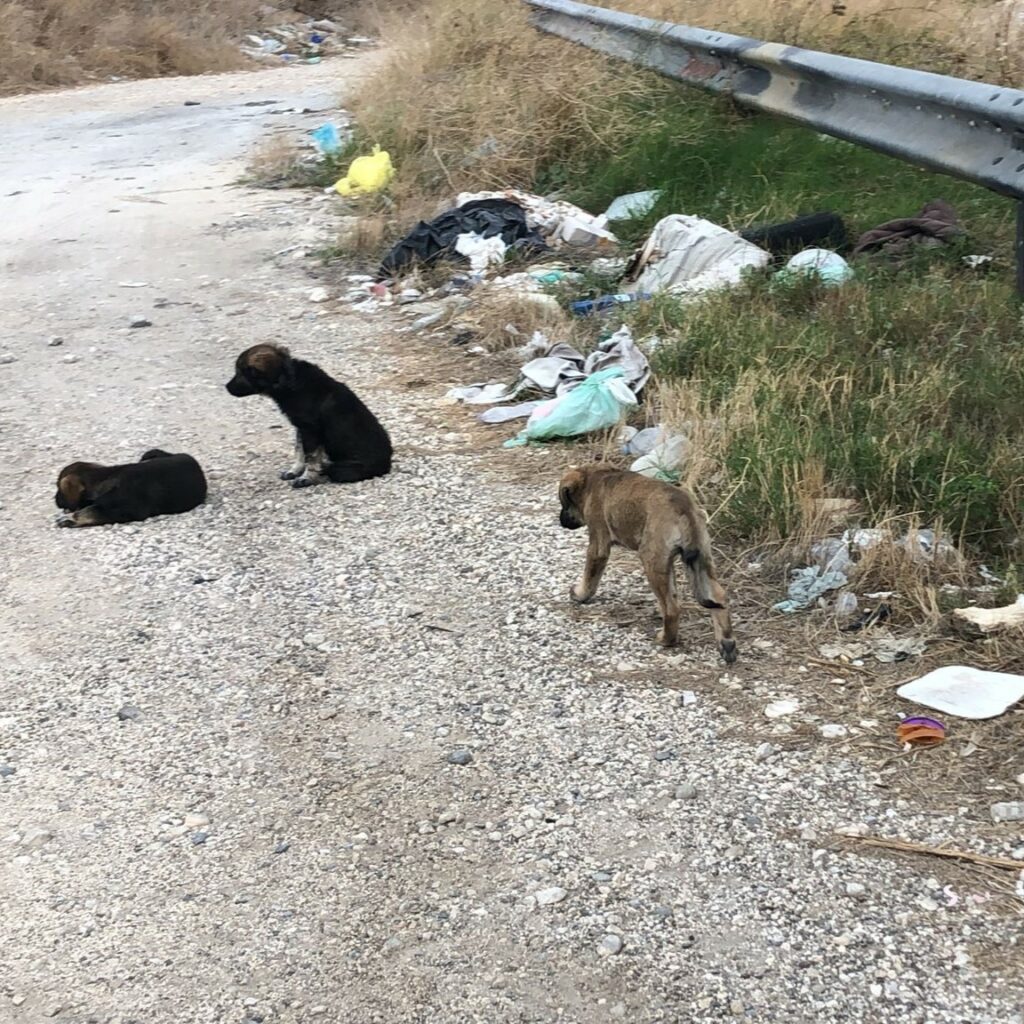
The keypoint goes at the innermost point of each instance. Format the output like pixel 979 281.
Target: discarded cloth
pixel 563 368
pixel 689 255
pixel 808 585
pixel 824 229
pixel 486 218
pixel 327 139
pixel 598 403
pixel 483 394
pixel 829 267
pixel 965 692
pixel 560 223
pixel 885 648
pixel 481 252
pixel 936 224
pixel 367 174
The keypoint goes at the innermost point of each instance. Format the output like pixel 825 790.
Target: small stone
pixel 546 897
pixel 834 732
pixel 600 876
pixel 855 889
pixel 625 666
pixel 17 1000
pixel 36 837
pixel 663 755
pixel 663 912
pixel 196 821
pixel 447 817
pixel 6 358
pixel 736 1007
pixel 129 713
pixel 282 847
pixel 610 945
pixel 6 771
pixel 764 751
pixel 56 341
pixel 1009 811
pixel 198 838
pixel 318 1010
pixel 781 708
pixel 140 321
pixel 686 791
pixel 70 358
pixel 319 295
pixel 461 756
pixel 1020 779
pixel 1017 854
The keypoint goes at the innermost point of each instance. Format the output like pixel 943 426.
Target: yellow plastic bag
pixel 367 174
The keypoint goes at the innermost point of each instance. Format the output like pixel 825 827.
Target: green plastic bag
pixel 597 403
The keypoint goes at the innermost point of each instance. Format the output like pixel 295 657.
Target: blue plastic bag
pixel 597 403
pixel 327 139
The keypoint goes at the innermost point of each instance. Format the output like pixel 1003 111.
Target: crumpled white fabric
pixel 558 221
pixel 689 255
pixel 481 252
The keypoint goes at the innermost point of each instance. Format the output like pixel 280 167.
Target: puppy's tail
pixel 701 568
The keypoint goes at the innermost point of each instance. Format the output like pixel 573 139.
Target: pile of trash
pixel 288 36
pixel 569 394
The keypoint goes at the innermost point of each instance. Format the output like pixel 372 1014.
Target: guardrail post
pixel 1020 248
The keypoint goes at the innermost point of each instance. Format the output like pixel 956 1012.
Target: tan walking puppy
pixel 659 522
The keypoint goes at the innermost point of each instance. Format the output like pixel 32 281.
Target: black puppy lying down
pixel 336 437
pixel 158 484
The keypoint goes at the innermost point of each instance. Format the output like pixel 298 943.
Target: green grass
pixel 906 386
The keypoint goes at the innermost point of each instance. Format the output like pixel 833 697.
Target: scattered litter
pixel 977 262
pixel 327 139
pixel 689 255
pixel 834 731
pixel 688 698
pixel 482 394
pixel 666 458
pixel 829 267
pixel 886 648
pixel 919 731
pixel 597 403
pixel 588 307
pixel 485 218
pixel 367 174
pixel 504 413
pixel 481 252
pixel 937 224
pixel 825 229
pixel 965 692
pixel 633 205
pixel 560 223
pixel 979 622
pixel 808 585
pixel 870 618
pixel 846 605
pixel 781 708
pixel 1009 811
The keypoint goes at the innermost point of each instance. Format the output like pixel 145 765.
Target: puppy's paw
pixel 289 474
pixel 65 519
pixel 578 595
pixel 302 481
pixel 665 639
pixel 729 652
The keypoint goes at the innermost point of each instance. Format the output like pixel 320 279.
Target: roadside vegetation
pixel 903 390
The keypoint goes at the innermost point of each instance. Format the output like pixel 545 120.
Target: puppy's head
pixel 74 486
pixel 570 496
pixel 154 453
pixel 259 370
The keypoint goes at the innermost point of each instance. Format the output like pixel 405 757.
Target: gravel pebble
pixel 461 756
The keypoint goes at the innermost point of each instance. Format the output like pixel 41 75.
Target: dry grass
pixel 47 43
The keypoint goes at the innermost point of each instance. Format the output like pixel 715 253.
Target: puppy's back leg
pixel 91 515
pixel 352 472
pixel 711 595
pixel 661 575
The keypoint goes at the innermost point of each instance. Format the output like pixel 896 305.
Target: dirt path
pixel 272 830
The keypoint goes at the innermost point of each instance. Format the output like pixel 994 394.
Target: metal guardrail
pixel 967 129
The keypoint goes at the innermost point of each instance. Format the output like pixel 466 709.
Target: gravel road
pixel 348 754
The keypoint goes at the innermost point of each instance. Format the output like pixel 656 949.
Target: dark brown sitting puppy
pixel 655 519
pixel 336 437
pixel 158 484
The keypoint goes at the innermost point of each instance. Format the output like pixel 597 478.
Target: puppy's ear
pixel 570 487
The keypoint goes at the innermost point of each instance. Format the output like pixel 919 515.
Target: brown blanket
pixel 936 224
